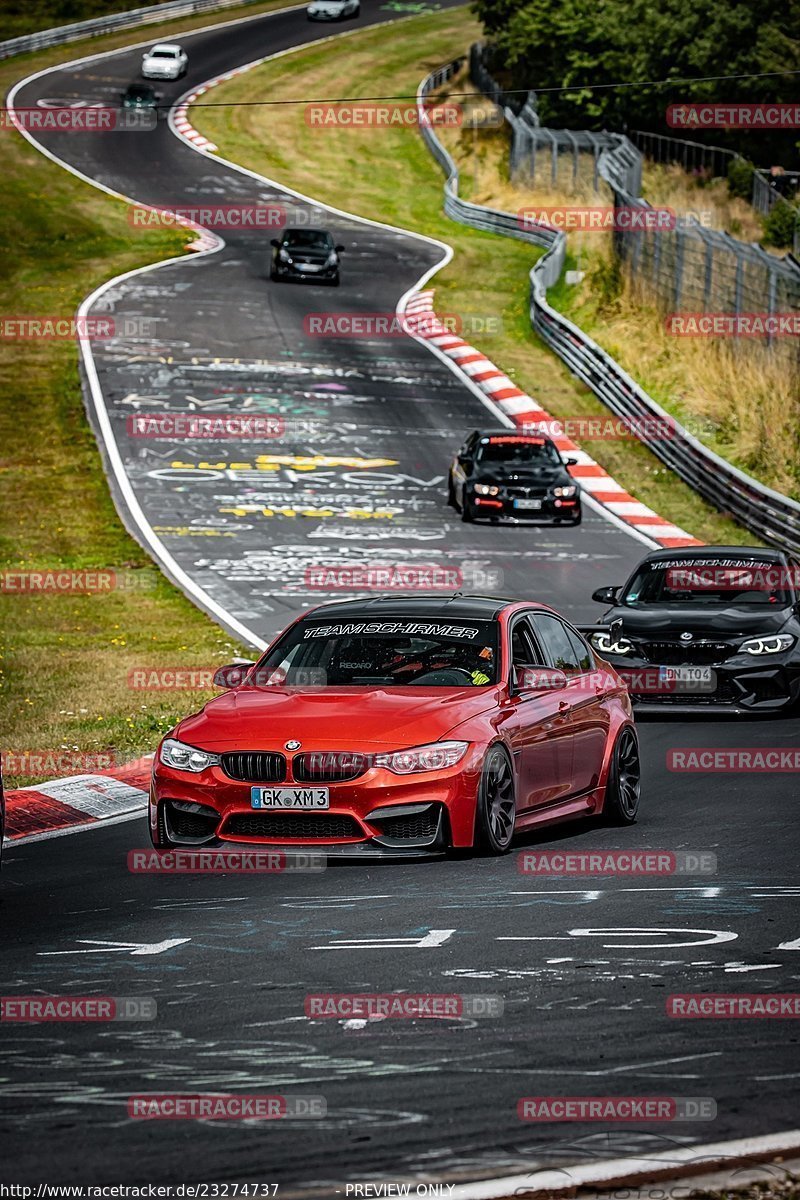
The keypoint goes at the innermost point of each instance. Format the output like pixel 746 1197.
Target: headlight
pixel 486 489
pixel 565 491
pixel 606 644
pixel 773 644
pixel 332 259
pixel 284 255
pixel 186 758
pixel 435 757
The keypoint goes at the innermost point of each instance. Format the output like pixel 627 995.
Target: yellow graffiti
pixel 273 462
pixel 353 514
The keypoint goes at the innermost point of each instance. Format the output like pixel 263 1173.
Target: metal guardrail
pixel 63 34
pixel 768 514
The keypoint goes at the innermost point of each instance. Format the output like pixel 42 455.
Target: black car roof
pixel 769 553
pixel 530 432
pixel 474 607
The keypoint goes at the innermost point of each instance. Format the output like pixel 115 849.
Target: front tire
pixel 466 514
pixel 496 810
pixel 623 786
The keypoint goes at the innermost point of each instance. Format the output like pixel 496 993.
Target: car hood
pixel 308 254
pixel 698 620
pixel 331 718
pixel 545 477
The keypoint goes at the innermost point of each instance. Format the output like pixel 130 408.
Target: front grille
pixel 526 493
pixel 305 827
pixel 255 766
pixel 328 766
pixel 690 653
pixel 191 824
pixel 414 826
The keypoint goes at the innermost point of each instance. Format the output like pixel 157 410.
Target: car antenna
pixel 454 596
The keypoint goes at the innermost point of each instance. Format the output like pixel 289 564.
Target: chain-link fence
pixel 686 268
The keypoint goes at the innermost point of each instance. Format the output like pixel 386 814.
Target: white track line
pixel 660 1165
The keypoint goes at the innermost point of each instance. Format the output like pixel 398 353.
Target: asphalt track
pixel 584 1014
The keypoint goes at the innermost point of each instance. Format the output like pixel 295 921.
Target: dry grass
pixel 735 396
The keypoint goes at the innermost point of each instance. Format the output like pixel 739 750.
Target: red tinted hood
pixel 331 719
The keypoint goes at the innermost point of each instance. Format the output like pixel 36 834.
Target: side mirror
pixel 539 679
pixel 339 249
pixel 605 595
pixel 570 462
pixel 274 242
pixel 233 674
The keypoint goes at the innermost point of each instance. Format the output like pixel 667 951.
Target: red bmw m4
pixel 402 727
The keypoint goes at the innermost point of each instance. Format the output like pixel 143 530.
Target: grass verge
pixel 65 659
pixel 389 174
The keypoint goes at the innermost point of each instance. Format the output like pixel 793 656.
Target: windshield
pixel 163 53
pixel 308 237
pixel 517 451
pixel 140 93
pixel 396 652
pixel 709 582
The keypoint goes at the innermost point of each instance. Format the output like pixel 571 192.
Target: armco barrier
pixel 123 20
pixel 768 514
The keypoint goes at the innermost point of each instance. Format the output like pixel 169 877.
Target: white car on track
pixel 164 61
pixel 333 10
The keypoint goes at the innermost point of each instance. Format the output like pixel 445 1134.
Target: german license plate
pixel 690 679
pixel 262 797
pixel 530 505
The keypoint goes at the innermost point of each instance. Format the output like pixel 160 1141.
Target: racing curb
pixel 524 411
pixel 77 802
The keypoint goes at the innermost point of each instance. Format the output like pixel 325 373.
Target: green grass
pixel 64 659
pixel 389 174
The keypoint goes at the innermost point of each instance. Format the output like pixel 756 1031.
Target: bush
pixel 779 225
pixel 740 178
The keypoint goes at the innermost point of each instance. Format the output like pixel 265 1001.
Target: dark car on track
pixel 309 255
pixel 403 726
pixel 707 627
pixel 501 475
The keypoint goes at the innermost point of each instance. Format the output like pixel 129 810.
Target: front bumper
pixel 292 271
pixel 740 685
pixel 503 508
pixel 377 815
